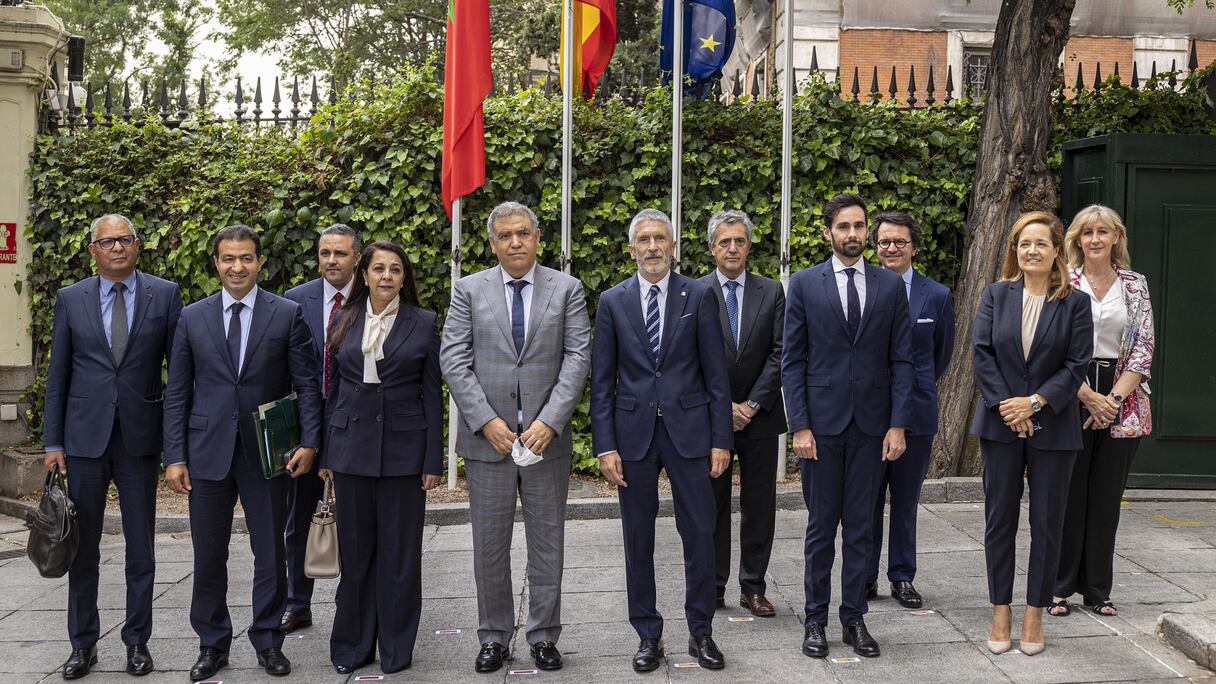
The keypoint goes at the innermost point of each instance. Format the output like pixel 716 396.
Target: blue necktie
pixel 732 311
pixel 854 309
pixel 517 314
pixel 652 321
pixel 234 335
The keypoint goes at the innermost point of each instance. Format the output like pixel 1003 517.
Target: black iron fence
pixel 293 103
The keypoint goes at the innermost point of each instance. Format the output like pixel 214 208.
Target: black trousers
pixel 758 512
pixel 1095 493
pixel 379 601
pixel 135 477
pixel 1048 472
pixel 839 490
pixel 211 510
pixel 903 477
pixel 303 493
pixel 694 504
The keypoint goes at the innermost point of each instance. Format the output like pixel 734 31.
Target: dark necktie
pixel 333 313
pixel 732 311
pixel 517 314
pixel 234 336
pixel 118 324
pixel 854 309
pixel 652 321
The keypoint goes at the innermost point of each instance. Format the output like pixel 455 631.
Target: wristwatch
pixel 755 406
pixel 1035 405
pixel 1117 397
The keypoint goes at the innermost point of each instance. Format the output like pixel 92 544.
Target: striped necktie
pixel 652 321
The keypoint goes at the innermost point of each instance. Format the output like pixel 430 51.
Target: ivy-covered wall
pixel 373 161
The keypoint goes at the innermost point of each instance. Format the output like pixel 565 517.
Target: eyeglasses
pixel 898 244
pixel 108 243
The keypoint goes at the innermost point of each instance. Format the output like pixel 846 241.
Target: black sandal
pixel 1098 606
pixel 1062 606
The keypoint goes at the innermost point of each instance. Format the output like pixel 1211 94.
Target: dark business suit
pixel 209 410
pixel 106 417
pixel 849 391
pixel 304 492
pixel 380 439
pixel 666 414
pixel 754 369
pixel 1059 354
pixel 932 315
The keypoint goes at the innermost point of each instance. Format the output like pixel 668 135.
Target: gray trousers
pixel 542 489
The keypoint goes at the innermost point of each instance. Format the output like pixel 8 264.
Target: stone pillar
pixel 30 36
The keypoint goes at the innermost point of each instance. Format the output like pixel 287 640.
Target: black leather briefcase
pixel 53 531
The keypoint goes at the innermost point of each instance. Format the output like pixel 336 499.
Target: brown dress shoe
pixel 757 605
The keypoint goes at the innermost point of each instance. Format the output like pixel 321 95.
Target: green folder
pixel 277 425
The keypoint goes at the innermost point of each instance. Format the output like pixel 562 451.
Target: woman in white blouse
pixel 1114 402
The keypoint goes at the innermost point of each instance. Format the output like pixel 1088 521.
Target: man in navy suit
pixel 321 299
pixel 660 398
pixel 109 340
pixel 847 372
pixel 234 351
pixel 897 238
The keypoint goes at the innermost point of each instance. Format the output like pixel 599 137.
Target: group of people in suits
pixel 687 375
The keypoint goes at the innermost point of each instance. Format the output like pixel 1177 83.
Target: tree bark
pixel 1011 177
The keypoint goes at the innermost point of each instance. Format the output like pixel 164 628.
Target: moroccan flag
pixel 709 38
pixel 467 80
pixel 595 38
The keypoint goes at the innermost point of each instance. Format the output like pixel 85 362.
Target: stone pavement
pixel 1166 562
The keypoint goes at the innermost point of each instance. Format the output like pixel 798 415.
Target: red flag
pixel 467 80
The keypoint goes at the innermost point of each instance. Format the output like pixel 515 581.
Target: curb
pixel 946 490
pixel 1194 635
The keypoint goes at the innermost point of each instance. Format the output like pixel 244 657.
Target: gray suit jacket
pixel 484 373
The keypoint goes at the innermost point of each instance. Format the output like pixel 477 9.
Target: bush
pixel 373 159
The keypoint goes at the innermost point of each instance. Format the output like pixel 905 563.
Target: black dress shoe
pixel 210 661
pixel 275 663
pixel 139 661
pixel 720 602
pixel 347 669
pixel 815 641
pixel 491 657
pixel 906 594
pixel 706 652
pixel 649 656
pixel 293 621
pixel 871 590
pixel 80 663
pixel 546 656
pixel 857 636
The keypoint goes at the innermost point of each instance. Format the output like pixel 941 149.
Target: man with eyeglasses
pixel 102 423
pixel 898 238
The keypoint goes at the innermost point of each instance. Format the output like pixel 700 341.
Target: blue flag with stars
pixel 709 37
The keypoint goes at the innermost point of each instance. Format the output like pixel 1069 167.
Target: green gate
pixel 1164 187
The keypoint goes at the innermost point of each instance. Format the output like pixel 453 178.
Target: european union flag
pixel 709 37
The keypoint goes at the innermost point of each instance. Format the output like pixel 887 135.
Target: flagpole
pixel 677 119
pixel 453 412
pixel 787 165
pixel 567 129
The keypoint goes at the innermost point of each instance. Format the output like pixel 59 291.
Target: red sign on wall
pixel 8 243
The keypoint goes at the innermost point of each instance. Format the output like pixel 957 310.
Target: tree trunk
pixel 1011 177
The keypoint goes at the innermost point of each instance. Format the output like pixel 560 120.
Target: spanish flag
pixel 595 38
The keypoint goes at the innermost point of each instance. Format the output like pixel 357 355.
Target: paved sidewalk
pixel 1166 562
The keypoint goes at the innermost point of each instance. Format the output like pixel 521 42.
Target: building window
pixel 976 65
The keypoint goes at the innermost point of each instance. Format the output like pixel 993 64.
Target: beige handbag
pixel 321 559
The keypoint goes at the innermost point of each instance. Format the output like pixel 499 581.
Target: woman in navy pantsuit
pixel 384 449
pixel 1033 341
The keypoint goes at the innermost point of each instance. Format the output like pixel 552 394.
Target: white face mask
pixel 522 455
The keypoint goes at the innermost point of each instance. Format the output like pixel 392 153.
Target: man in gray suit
pixel 515 355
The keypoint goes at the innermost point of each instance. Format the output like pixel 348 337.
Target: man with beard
pixel 660 398
pixel 847 385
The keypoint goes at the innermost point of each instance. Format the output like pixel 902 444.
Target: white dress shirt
pixel 644 287
pixel 907 276
pixel 842 283
pixel 530 278
pixel 1110 318
pixel 246 318
pixel 327 302
pixel 742 280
